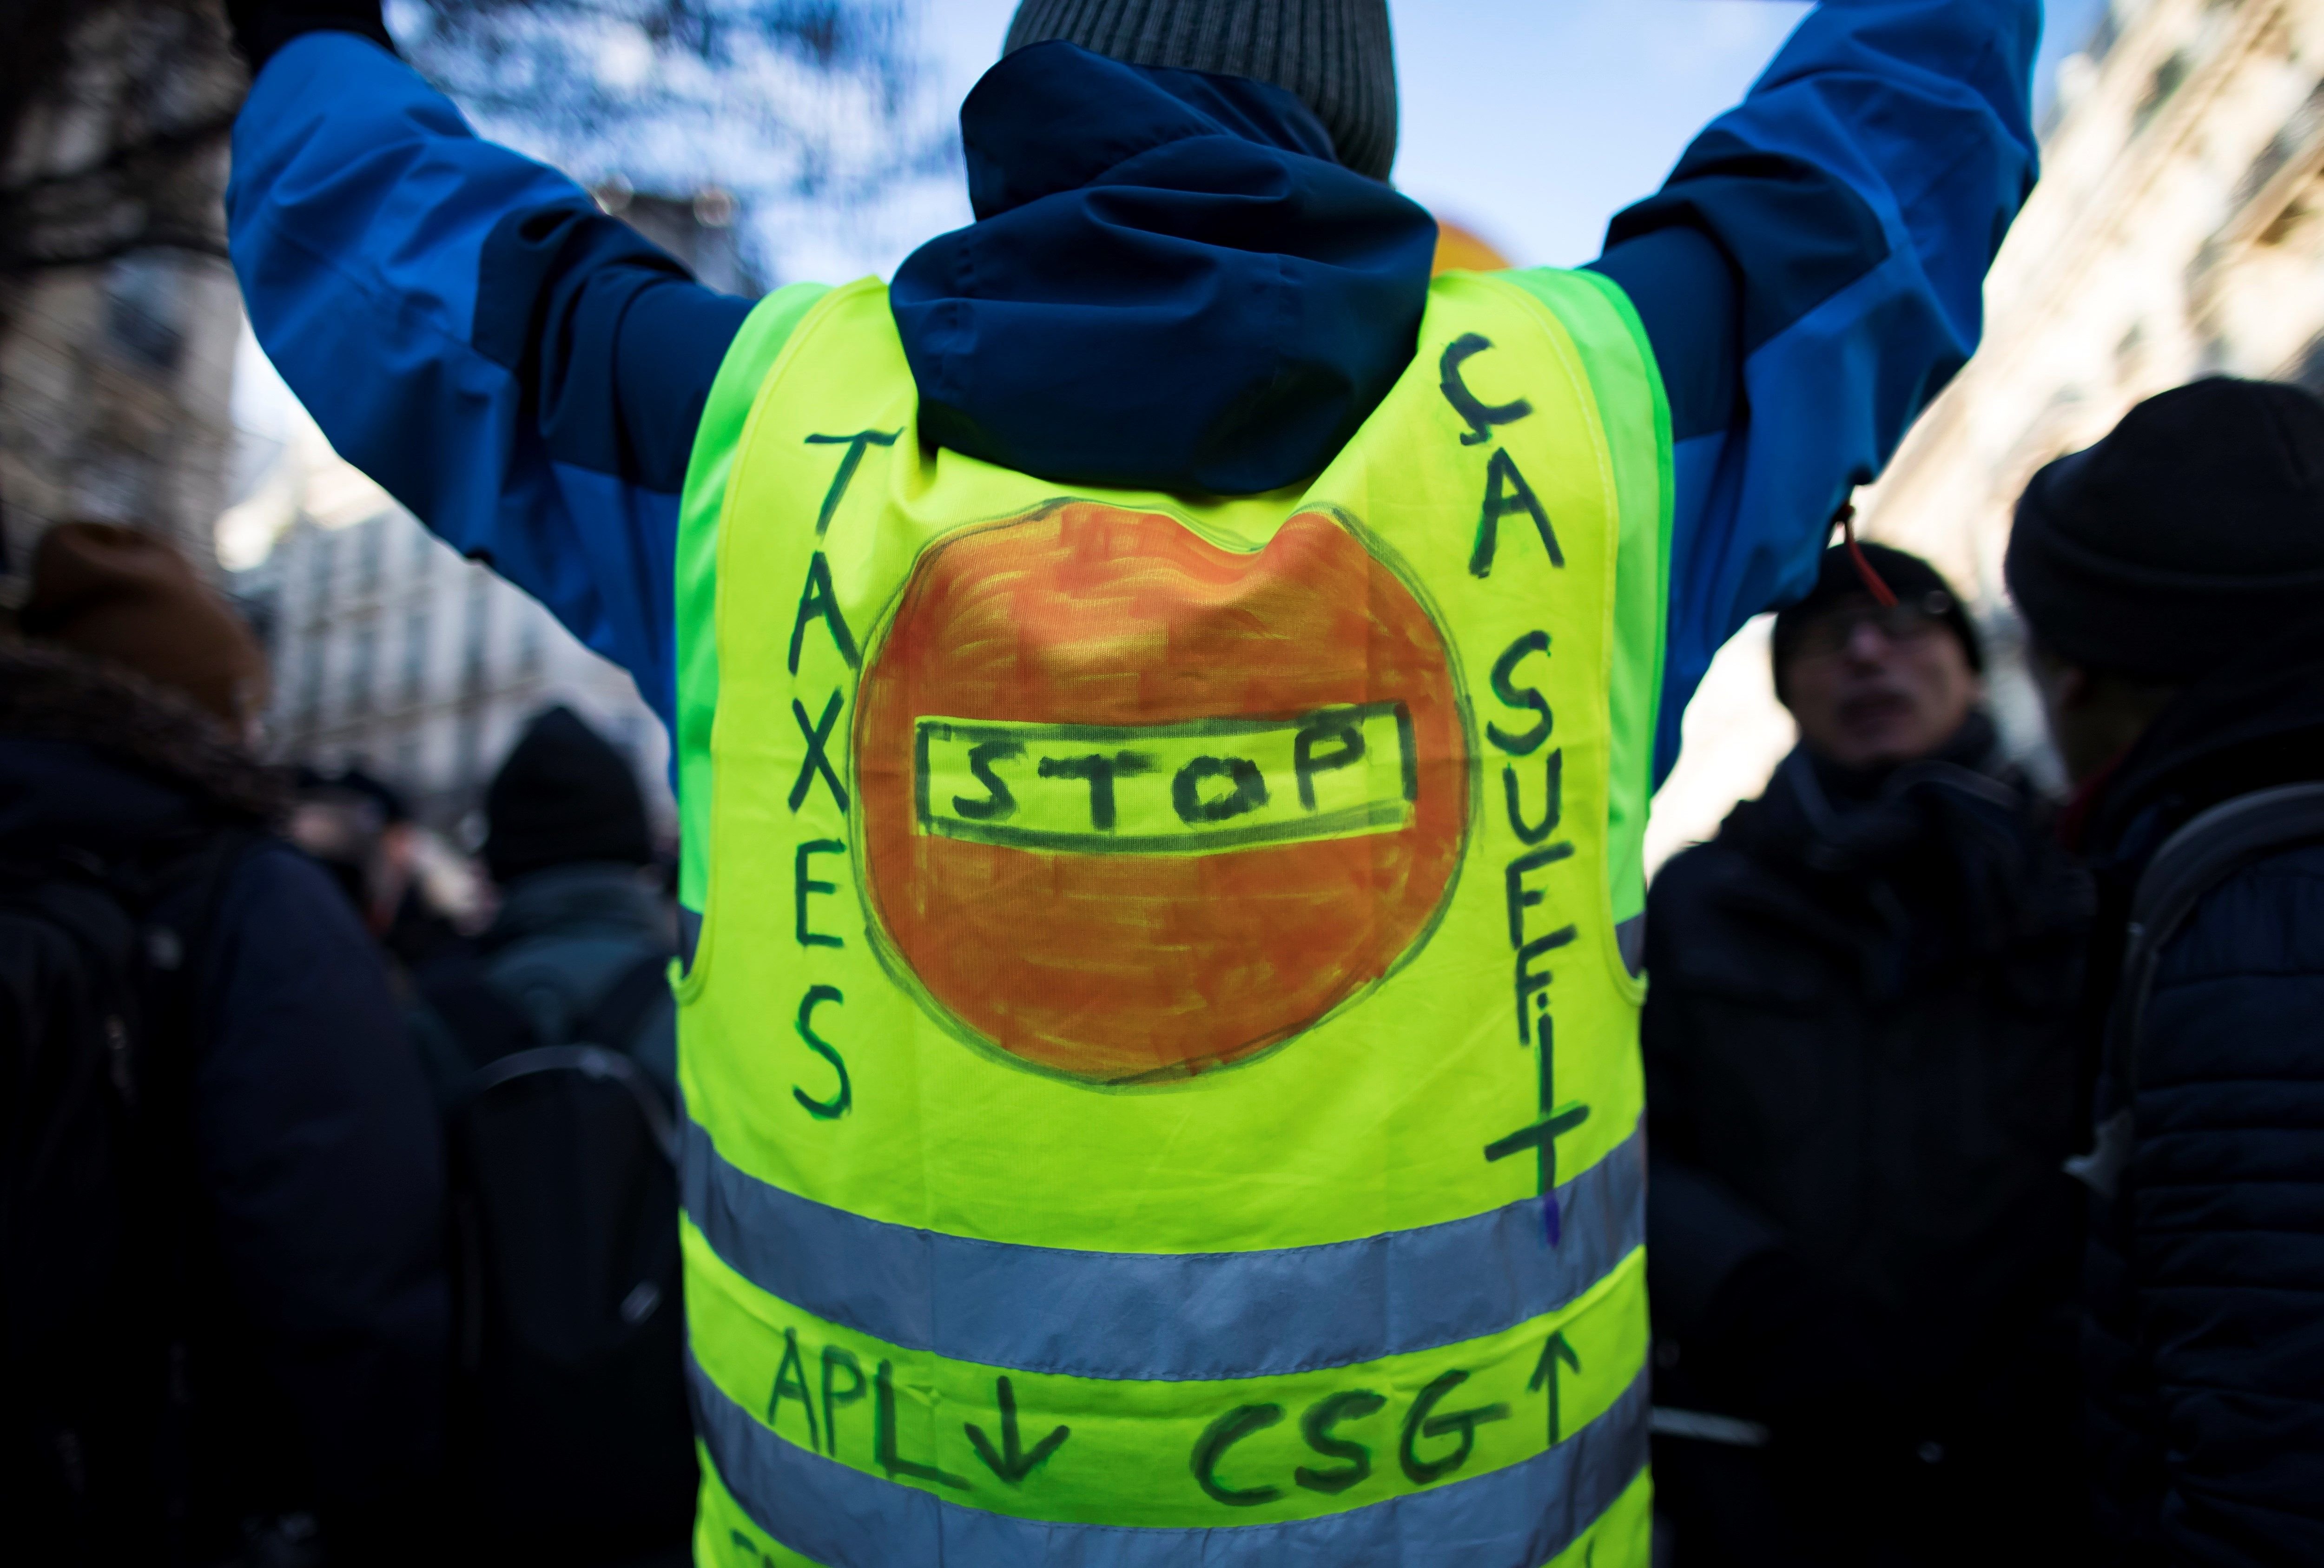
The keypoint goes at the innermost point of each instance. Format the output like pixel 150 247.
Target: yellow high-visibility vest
pixel 1160 1059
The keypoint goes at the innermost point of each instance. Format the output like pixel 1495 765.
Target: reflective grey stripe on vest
pixel 1170 1316
pixel 1519 1516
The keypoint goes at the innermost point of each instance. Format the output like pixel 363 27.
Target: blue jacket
pixel 526 375
pixel 2205 1277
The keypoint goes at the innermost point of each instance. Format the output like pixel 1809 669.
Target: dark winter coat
pixel 1860 1091
pixel 564 939
pixel 2206 1270
pixel 320 1361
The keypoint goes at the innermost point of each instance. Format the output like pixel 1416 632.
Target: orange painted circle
pixel 1118 967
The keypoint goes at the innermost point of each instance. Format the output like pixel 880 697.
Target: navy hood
pixel 1170 284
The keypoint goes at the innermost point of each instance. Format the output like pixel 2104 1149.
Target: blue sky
pixel 1530 121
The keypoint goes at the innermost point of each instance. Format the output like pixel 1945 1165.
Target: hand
pixel 260 27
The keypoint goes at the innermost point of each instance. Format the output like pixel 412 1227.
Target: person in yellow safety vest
pixel 1165 699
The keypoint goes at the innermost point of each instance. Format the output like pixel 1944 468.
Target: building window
pixel 363 657
pixel 143 310
pixel 320 549
pixel 369 537
pixel 415 655
pixel 472 653
pixel 307 707
pixel 2169 77
pixel 532 641
pixel 467 747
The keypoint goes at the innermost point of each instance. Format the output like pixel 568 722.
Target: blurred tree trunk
pixel 117 311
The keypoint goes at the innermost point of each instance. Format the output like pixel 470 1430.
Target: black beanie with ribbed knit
pixel 1332 55
pixel 2191 534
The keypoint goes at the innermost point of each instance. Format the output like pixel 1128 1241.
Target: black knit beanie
pixel 2190 535
pixel 564 795
pixel 1913 580
pixel 1332 55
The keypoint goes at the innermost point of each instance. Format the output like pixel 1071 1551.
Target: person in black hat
pixel 1860 1096
pixel 2173 578
pixel 566 841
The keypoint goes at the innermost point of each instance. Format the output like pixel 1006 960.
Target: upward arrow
pixel 1544 1374
pixel 1012 1463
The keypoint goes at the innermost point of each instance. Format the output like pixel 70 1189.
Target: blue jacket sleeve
pixel 521 370
pixel 1811 276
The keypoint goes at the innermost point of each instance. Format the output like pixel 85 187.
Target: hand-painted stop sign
pixel 1135 806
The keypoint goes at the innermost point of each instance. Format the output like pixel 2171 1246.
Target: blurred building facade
pixel 2178 231
pixel 118 312
pixel 392 653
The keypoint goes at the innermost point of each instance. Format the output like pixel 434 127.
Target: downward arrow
pixel 1012 1463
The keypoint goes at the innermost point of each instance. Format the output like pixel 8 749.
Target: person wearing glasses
pixel 1861 1092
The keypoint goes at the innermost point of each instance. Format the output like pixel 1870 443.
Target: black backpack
pixel 96 1220
pixel 2212 847
pixel 570 1426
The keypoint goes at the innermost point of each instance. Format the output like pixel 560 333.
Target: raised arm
pixel 1811 277
pixel 521 370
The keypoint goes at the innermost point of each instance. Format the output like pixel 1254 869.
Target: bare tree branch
pixel 791 106
pixel 114 139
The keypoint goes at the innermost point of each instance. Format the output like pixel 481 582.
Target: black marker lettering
pixel 835 1359
pixel 1421 1423
pixel 848 466
pixel 1552 1124
pixel 1349 738
pixel 1524 697
pixel 833 1109
pixel 1519 896
pixel 819 602
pixel 1315 1426
pixel 802 885
pixel 998 805
pixel 1552 806
pixel 1533 984
pixel 819 755
pixel 1505 491
pixel 1250 791
pixel 1223 1434
pixel 790 1383
pixel 1101 770
pixel 1545 1375
pixel 883 1436
pixel 1480 417
pixel 1010 1462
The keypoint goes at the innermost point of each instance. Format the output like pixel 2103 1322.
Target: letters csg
pixel 1530 722
pixel 1347 1433
pixel 823 733
pixel 1434 1431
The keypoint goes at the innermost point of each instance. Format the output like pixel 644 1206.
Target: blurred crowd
pixel 400 1123
pixel 1983 1124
